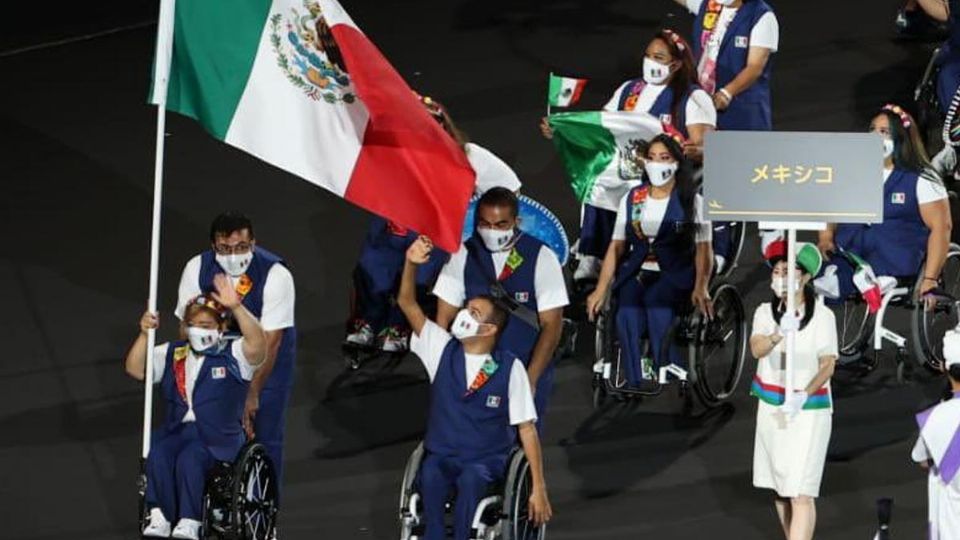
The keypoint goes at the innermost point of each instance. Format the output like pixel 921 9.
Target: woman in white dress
pixel 793 431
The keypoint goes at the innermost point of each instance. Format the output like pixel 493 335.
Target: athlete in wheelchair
pixel 655 286
pixel 898 261
pixel 199 473
pixel 480 400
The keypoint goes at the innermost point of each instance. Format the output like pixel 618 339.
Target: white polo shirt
pixel 429 346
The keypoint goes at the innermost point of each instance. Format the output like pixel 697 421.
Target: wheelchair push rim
pixel 929 326
pixel 254 509
pixel 720 351
pixel 517 495
pixel 855 327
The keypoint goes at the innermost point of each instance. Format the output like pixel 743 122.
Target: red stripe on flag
pixel 577 90
pixel 409 170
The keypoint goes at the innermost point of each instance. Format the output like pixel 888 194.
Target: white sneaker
pixel 363 336
pixel 589 268
pixel 394 341
pixel 157 525
pixel 187 529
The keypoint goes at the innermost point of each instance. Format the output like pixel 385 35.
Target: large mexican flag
pixel 298 85
pixel 596 148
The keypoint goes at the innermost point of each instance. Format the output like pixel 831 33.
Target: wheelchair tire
pixel 929 327
pixel 254 494
pixel 738 234
pixel 715 378
pixel 854 327
pixel 515 497
pixel 410 472
pixel 142 495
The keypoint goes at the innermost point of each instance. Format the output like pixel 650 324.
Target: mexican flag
pixel 564 91
pixel 597 149
pixel 298 85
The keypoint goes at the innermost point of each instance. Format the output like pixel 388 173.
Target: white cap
pixel 951 348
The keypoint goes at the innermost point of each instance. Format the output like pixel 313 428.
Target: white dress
pixel 789 454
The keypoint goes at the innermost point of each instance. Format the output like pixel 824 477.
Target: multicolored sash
pixel 707 70
pixel 775 395
pixel 487 370
pixel 180 369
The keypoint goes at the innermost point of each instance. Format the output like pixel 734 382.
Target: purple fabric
pixel 950 462
pixel 922 417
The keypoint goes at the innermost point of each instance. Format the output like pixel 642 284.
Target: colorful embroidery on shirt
pixel 244 286
pixel 514 260
pixel 487 370
pixel 633 94
pixel 636 213
pixel 180 369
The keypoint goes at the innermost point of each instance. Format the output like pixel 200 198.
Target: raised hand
pixel 224 292
pixel 419 250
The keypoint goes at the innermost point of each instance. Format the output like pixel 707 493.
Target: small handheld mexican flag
pixel 564 91
pixel 871 287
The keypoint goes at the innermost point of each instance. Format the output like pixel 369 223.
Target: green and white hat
pixel 809 258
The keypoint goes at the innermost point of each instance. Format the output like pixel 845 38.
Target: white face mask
pixel 235 264
pixel 887 148
pixel 779 285
pixel 659 173
pixel 654 72
pixel 202 339
pixel 495 239
pixel 726 3
pixel 464 325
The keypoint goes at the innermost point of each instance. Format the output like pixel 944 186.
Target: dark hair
pixel 683 180
pixel 908 150
pixel 685 77
pixel 439 113
pixel 500 196
pixel 954 372
pixel 498 314
pixel 228 223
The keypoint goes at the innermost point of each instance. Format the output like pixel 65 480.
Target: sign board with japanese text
pixel 793 177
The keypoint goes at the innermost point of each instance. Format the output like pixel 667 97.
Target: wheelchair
pixel 239 499
pixel 859 331
pixel 928 106
pixel 715 351
pixel 501 515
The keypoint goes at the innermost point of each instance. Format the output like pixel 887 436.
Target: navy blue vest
pixel 263 260
pixel 219 395
pixel 674 247
pixel 749 110
pixel 895 247
pixel 661 108
pixel 471 426
pixel 478 271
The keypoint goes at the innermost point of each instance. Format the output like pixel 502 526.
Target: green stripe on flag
pixel 585 147
pixel 554 89
pixel 214 46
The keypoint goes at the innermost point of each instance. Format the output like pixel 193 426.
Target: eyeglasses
pixel 238 249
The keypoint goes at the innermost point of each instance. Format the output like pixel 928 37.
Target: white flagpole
pixel 791 335
pixel 161 77
pixel 548 93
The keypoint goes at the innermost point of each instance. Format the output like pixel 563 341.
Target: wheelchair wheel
pixel 720 349
pixel 409 520
pixel 854 327
pixel 738 231
pixel 929 327
pixel 929 116
pixel 254 494
pixel 515 497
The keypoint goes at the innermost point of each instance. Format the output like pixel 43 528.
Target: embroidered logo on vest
pixel 898 198
pixel 244 286
pixel 487 370
pixel 218 372
pixel 741 42
pixel 514 260
pixel 521 297
pixel 493 402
